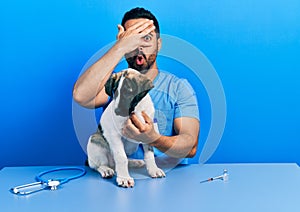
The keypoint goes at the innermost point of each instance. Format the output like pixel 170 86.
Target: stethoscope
pixel 50 184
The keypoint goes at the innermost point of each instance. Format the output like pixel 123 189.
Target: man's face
pixel 142 58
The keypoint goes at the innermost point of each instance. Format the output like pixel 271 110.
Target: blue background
pixel 253 45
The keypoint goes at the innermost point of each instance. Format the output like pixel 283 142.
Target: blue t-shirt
pixel 172 98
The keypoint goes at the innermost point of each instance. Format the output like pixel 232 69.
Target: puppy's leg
pixel 121 162
pixel 99 155
pixel 131 147
pixel 151 166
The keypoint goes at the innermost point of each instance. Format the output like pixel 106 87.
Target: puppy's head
pixel 128 88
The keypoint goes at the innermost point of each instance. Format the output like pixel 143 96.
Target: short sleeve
pixel 186 104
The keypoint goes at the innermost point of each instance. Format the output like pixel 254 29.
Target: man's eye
pixel 147 38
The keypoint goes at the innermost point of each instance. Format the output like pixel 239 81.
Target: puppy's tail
pixel 134 163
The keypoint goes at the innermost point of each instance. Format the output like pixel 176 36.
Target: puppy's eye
pixel 127 88
pixel 127 92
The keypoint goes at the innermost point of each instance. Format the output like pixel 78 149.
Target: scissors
pixel 50 184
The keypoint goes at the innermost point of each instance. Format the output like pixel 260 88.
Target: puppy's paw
pixel 156 172
pixel 106 172
pixel 125 182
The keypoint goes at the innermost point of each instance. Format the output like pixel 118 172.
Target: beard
pixel 139 61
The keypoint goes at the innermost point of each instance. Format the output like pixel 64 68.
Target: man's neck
pixel 152 72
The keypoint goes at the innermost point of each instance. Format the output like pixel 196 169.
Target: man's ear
pixel 112 84
pixel 159 43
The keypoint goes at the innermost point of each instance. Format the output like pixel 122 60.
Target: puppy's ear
pixel 112 84
pixel 147 86
pixel 109 86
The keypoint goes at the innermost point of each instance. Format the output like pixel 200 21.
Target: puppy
pixel 107 149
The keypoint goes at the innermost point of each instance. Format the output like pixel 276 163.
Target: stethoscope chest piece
pixel 53 184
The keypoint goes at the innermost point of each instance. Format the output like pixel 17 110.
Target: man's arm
pixel 182 145
pixel 89 89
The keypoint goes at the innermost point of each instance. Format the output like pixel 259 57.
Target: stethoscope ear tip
pixel 14 190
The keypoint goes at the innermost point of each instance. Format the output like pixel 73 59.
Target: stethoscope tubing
pixel 61 180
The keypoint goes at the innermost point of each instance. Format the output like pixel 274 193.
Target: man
pixel 138 39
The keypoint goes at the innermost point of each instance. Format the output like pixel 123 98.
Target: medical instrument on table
pixel 223 177
pixel 50 184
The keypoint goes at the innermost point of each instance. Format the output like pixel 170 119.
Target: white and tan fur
pixel 107 149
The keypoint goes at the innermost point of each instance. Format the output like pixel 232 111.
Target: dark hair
pixel 139 12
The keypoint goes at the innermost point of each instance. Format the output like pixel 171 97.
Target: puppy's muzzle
pixel 121 112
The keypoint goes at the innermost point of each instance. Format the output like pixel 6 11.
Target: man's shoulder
pixel 169 78
pixel 174 81
pixel 168 75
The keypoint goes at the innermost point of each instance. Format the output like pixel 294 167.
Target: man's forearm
pixel 92 81
pixel 179 146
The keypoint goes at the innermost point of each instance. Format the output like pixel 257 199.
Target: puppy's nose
pixel 121 112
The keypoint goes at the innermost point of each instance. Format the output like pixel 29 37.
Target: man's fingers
pixel 135 120
pixel 121 30
pixel 135 128
pixel 133 36
pixel 145 28
pixel 140 26
pixel 146 118
pixel 137 25
pixel 129 128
